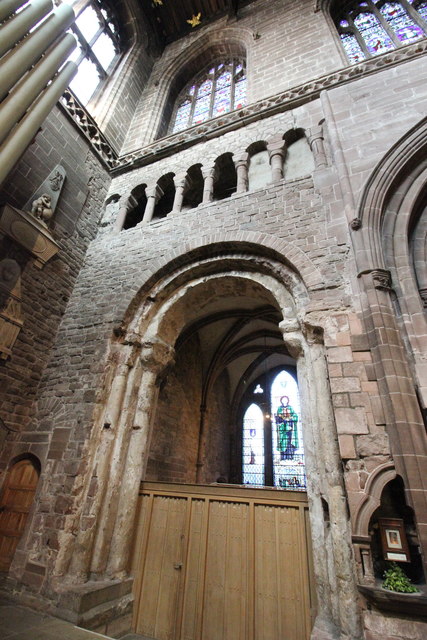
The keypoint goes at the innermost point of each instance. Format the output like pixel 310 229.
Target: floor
pixel 21 623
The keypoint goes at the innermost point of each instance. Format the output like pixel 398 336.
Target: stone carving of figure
pixel 42 208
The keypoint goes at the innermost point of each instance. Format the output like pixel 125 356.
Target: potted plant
pixel 397 580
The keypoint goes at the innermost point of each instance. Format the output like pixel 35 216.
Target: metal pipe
pixel 19 139
pixel 20 99
pixel 7 7
pixel 15 29
pixel 26 53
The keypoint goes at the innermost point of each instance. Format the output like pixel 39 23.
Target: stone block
pixel 347 448
pixel 351 421
pixel 339 354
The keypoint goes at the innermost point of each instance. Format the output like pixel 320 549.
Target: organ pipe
pixel 31 52
pixel 21 136
pixel 28 51
pixel 16 28
pixel 27 90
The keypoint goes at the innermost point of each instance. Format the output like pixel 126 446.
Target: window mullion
pixel 233 83
pixel 213 91
pixel 360 39
pixel 268 438
pixel 385 25
pixel 413 13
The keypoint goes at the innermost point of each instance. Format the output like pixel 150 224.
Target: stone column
pixel 209 175
pixel 241 165
pixel 153 196
pixel 317 146
pixel 181 182
pixel 331 542
pixel 276 150
pixel 155 356
pixel 127 203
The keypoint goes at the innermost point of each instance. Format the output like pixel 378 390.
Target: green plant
pixel 397 580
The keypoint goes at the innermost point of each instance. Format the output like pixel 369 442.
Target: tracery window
pixel 219 89
pixel 98 47
pixel 373 27
pixel 273 451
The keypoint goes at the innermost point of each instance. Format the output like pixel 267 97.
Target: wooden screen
pixel 15 502
pixel 222 563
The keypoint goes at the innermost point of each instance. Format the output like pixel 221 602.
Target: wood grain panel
pixel 15 503
pixel 245 558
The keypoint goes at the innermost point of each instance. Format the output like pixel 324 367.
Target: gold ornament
pixel 195 20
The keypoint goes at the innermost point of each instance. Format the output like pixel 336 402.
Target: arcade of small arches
pixel 290 156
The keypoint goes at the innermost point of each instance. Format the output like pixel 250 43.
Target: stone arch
pixel 231 41
pixel 371 498
pixel 391 170
pixel 27 455
pixel 388 209
pixel 245 241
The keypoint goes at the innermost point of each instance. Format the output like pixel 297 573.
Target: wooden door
pixel 15 502
pixel 222 563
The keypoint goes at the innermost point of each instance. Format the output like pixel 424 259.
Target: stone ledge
pixel 95 604
pixel 413 604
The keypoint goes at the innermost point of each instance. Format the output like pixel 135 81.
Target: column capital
pixel 156 354
pixel 276 146
pixel 314 133
pixel 381 278
pixel 241 160
pixel 181 180
pixel 208 172
pixel 155 192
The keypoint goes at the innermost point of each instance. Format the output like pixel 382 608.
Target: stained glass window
pixel 273 452
pixel 253 446
pixel 99 47
pixel 373 27
pixel 288 452
pixel 220 89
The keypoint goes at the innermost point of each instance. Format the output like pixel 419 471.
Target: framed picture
pixel 393 539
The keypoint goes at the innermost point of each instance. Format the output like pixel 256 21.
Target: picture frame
pixel 393 540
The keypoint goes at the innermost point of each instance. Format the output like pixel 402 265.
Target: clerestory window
pixel 98 47
pixel 373 27
pixel 273 451
pixel 219 89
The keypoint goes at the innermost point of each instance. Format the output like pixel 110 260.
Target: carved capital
pixel 181 180
pixel 208 172
pixel 242 160
pixel 356 224
pixel 155 354
pixel 155 192
pixel 381 279
pixel 423 294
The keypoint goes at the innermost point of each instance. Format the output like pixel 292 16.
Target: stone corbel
pixel 381 278
pixel 11 320
pixel 29 232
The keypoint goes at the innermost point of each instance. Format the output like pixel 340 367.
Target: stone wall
pixel 173 451
pixel 278 38
pixel 46 291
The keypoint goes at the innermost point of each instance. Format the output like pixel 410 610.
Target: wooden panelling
pixel 222 563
